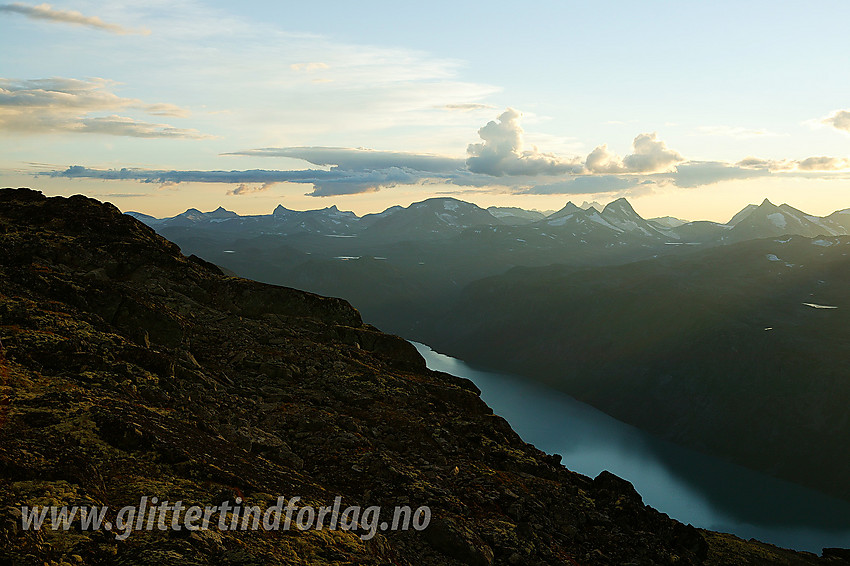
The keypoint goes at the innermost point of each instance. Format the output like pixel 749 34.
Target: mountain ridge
pixel 743 225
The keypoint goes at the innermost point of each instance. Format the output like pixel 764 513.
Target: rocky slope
pixel 129 370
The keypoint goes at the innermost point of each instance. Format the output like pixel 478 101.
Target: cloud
pixel 840 120
pixel 466 107
pixel 823 164
pixel 771 164
pixel 244 189
pixel 165 109
pixel 325 183
pixel 123 126
pixel 60 93
pixel 121 195
pixel 308 67
pixel 601 160
pixel 358 159
pixel 46 12
pixel 650 155
pixel 816 163
pixel 499 163
pixel 501 152
pixel 65 105
pixel 700 173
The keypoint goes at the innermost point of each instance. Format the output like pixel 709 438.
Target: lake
pixel 689 486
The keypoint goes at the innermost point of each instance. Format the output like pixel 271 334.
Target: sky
pixel 689 109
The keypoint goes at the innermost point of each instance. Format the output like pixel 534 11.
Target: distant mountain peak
pixel 445 203
pixel 588 205
pixel 619 205
pixel 220 213
pixel 568 209
pixel 280 210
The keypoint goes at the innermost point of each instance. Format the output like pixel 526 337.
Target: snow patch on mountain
pixel 559 221
pixel 595 217
pixel 778 219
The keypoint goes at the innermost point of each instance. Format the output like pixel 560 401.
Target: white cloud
pixel 502 153
pixel 308 67
pixel 840 120
pixel 359 159
pixel 325 183
pixel 244 189
pixel 58 105
pixel 650 155
pixel 499 163
pixel 771 164
pixel 815 163
pixel 602 160
pixel 823 163
pixel 47 13
pixel 466 106
pixel 165 109
pixel 694 174
pixel 123 126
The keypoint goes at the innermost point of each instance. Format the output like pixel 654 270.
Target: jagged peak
pixel 588 205
pixel 621 205
pixel 569 208
pixel 333 210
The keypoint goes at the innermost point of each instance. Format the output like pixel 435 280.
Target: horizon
pixel 202 104
pixel 546 212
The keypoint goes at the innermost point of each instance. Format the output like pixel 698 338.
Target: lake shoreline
pixel 689 486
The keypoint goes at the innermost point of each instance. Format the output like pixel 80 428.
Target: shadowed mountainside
pixel 739 351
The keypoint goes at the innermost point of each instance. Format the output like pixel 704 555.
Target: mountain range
pixel 423 255
pixel 440 218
